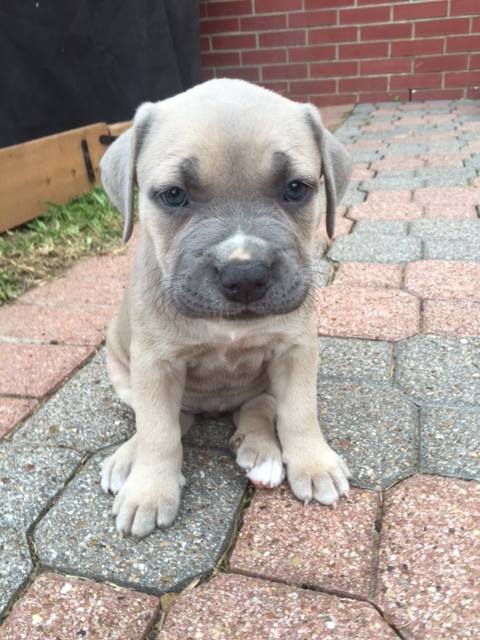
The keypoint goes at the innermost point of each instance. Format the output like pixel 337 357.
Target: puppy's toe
pixel 323 477
pixel 267 473
pixel 116 468
pixel 246 457
pixel 324 490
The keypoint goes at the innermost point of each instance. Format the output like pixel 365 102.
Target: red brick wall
pixel 341 51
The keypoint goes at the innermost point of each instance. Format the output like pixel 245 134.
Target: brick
pixel 312 86
pixel 308 54
pixel 208 74
pixel 240 41
pixel 12 410
pixel 36 369
pixel 332 100
pixel 311 19
pixel 204 43
pixel 462 79
pixel 474 61
pixel 415 10
pixel 232 8
pixel 447 317
pixel 326 4
pixel 441 94
pixel 463 43
pixel 429 558
pixel 383 96
pixel 334 69
pixel 220 25
pixel 386 32
pixel 263 23
pixel 262 56
pixel 285 72
pixel 363 312
pixel 464 7
pixel 364 15
pixel 363 274
pixel 212 611
pixel 332 34
pixel 56 606
pixel 363 50
pixel 278 541
pixel 385 66
pixel 278 87
pixel 220 58
pixel 282 38
pixel 252 74
pixel 441 63
pixel 417 47
pixel 443 280
pixel 441 27
pixel 273 6
pixel 357 84
pixel 416 81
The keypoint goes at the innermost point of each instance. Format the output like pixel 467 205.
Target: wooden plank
pixel 50 169
pixel 119 127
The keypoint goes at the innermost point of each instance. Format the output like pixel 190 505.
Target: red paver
pixel 357 312
pixel 443 279
pixel 364 274
pixel 461 197
pixel 282 539
pixel 36 369
pixel 233 607
pixel 67 325
pixel 410 121
pixel 450 210
pixel 361 172
pixel 451 317
pixel 12 410
pixel 444 160
pixel 363 143
pixel 342 227
pixel 430 558
pixel 392 164
pixel 387 205
pixel 96 281
pixel 64 608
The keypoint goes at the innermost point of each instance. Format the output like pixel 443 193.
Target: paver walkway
pixel 399 397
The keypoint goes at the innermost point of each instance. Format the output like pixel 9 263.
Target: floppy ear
pixel 336 166
pixel 118 166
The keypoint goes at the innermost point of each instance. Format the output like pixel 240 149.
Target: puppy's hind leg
pixel 118 365
pixel 255 443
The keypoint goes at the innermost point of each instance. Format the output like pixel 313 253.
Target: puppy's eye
pixel 174 197
pixel 296 191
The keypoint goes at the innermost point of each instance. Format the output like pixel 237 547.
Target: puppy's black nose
pixel 245 281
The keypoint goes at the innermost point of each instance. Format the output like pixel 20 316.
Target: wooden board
pixel 119 127
pixel 50 169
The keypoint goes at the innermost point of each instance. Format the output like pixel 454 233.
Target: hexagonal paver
pixel 374 428
pixel 280 540
pixel 450 441
pixel 15 564
pixel 443 280
pixel 451 317
pixel 355 359
pixel 379 314
pixel 63 607
pixel 439 370
pixel 429 558
pixel 364 274
pixel 375 248
pixel 30 476
pixel 236 607
pixel 78 535
pixel 12 410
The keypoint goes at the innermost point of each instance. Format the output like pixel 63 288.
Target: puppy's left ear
pixel 118 166
pixel 336 165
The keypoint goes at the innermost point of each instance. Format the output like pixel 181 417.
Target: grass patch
pixel 47 245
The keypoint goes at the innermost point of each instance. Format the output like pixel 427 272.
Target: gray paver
pixel 365 155
pixel 212 433
pixel 381 227
pixel 30 476
pixel 15 563
pixel 473 161
pixel 446 229
pixel 440 370
pixel 366 107
pixel 450 441
pixel 448 177
pixel 393 181
pixel 374 427
pixel 322 271
pixel 454 249
pixel 375 248
pixel 353 196
pixel 77 535
pixel 352 359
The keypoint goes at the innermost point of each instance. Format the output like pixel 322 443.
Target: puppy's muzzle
pixel 245 281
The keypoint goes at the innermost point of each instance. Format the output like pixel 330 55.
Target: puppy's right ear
pixel 118 166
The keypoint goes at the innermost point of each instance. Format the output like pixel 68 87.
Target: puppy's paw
pixel 262 461
pixel 149 498
pixel 319 475
pixel 116 468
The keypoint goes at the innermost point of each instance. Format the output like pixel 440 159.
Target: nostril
pixel 244 281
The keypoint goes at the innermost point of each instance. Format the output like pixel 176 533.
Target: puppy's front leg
pixel 314 470
pixel 146 471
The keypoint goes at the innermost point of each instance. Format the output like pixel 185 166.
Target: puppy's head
pixel 229 177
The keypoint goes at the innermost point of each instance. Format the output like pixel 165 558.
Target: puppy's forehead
pixel 215 135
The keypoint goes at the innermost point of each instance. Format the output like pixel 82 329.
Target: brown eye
pixel 174 197
pixel 296 191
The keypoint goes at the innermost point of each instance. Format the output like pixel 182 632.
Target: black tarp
pixel 68 63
